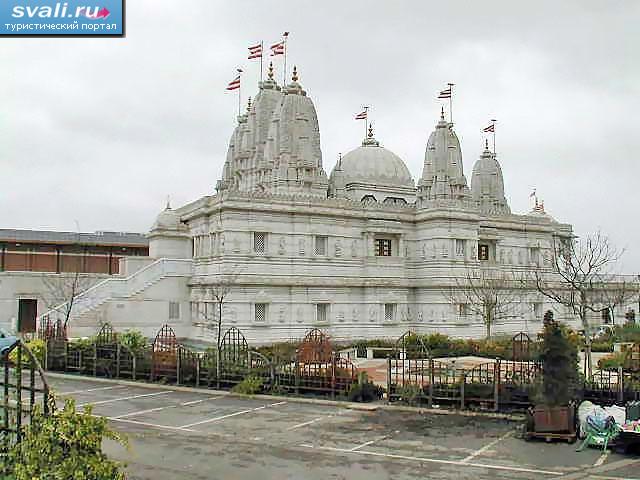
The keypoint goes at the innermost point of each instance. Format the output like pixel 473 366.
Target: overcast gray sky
pixel 102 130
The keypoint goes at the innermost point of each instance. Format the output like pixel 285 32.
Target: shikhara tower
pixel 276 146
pixel 363 253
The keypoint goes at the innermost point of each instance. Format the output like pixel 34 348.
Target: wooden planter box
pixel 554 419
pixel 552 423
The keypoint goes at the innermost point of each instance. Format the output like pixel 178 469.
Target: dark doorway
pixel 27 312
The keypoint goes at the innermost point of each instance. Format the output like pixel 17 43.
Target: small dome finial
pixel 168 207
pixel 486 144
pixel 442 113
pixel 370 134
pixel 294 77
pixel 248 104
pixel 270 73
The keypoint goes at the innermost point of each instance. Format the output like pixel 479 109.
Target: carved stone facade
pixel 365 253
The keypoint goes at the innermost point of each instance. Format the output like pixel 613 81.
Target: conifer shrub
pixel 560 364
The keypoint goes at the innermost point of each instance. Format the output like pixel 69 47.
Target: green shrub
pixel 83 344
pixel 133 339
pixel 602 346
pixel 410 394
pixel 612 361
pixel 37 348
pixel 478 390
pixel 629 332
pixel 64 445
pixel 279 352
pixel 249 386
pixel 364 390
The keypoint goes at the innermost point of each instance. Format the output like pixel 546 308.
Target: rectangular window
pixel 463 309
pixel 259 242
pixel 174 310
pixel 383 247
pixel 483 252
pixel 212 243
pixel 260 312
pixel 321 312
pixel 321 245
pixel 537 311
pixel 389 312
pixel 460 244
pixel 534 254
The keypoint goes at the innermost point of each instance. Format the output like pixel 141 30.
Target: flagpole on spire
pixel 239 92
pixel 450 102
pixel 364 115
pixel 285 35
pixel 366 120
pixel 235 85
pixel 493 123
pixel 261 55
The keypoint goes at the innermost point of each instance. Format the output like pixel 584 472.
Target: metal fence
pixel 24 387
pixel 414 375
pixel 315 369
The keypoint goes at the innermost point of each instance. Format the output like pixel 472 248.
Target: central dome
pixel 372 173
pixel 373 164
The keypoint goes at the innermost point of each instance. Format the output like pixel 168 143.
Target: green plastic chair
pixel 599 435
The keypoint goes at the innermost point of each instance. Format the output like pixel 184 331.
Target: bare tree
pixel 582 279
pixel 487 292
pixel 617 292
pixel 62 290
pixel 218 291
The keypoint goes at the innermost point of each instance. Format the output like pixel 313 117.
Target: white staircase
pixel 87 304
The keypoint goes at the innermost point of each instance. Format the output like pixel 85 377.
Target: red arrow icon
pixel 103 13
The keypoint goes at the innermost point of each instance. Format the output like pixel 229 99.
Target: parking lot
pixel 191 434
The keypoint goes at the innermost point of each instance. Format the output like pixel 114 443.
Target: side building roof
pixel 127 239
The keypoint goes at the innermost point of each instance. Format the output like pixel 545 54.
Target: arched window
pixel 369 199
pixel 394 201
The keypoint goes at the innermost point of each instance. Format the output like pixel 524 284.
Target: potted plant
pixel 554 412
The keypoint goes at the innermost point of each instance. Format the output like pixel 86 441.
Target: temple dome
pixel 168 219
pixel 373 164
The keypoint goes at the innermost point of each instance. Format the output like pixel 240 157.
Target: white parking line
pixel 157 409
pixel 310 422
pixel 222 417
pixel 186 404
pixel 62 394
pixel 435 460
pixel 146 424
pixel 602 458
pixel 122 399
pixel 365 444
pixel 487 447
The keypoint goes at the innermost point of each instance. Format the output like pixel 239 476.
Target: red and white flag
pixel 277 49
pixel 446 93
pixel 255 51
pixel 491 128
pixel 234 84
pixel 362 115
